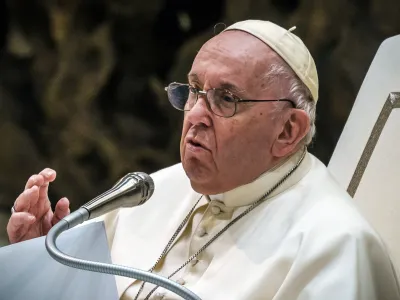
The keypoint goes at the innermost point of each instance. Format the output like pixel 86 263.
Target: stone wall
pixel 81 82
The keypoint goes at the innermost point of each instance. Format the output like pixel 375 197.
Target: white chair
pixel 366 160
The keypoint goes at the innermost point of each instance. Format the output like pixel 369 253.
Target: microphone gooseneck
pixel 131 190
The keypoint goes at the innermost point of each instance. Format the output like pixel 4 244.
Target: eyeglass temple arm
pixel 277 100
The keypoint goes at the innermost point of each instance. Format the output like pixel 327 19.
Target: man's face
pixel 233 151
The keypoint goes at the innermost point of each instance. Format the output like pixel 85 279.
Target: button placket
pixel 214 218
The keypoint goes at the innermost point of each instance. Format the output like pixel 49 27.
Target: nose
pixel 200 113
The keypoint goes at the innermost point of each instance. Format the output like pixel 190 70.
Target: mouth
pixel 197 144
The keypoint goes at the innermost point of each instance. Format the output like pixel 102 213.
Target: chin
pixel 204 183
pixel 202 188
pixel 201 177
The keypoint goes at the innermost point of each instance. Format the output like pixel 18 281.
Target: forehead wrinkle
pixel 249 56
pixel 222 84
pixel 228 47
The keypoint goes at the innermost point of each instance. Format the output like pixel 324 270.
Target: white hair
pixel 297 92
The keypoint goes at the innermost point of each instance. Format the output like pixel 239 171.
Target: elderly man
pixel 249 214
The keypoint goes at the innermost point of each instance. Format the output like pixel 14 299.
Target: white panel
pixel 382 78
pixel 378 195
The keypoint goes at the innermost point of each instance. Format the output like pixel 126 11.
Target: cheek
pixel 231 137
pixel 185 129
pixel 225 132
pixel 243 136
pixel 185 124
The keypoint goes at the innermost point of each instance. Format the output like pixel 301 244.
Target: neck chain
pixel 217 235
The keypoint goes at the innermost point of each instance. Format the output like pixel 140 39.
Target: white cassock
pixel 305 241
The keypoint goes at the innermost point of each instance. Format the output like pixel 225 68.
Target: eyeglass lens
pixel 184 97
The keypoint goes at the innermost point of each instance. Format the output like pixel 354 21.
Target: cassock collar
pixel 251 192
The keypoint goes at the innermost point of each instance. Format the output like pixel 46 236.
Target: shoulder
pixel 333 219
pixel 328 210
pixel 334 233
pixel 336 219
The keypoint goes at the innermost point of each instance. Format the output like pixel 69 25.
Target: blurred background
pixel 82 81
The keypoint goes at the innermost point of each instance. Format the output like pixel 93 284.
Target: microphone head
pixel 131 190
pixel 132 183
pixel 147 181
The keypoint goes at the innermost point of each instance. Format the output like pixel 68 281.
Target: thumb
pixel 61 210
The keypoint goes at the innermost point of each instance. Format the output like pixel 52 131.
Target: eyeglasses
pixel 220 101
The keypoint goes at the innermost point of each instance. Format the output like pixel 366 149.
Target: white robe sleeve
pixel 341 266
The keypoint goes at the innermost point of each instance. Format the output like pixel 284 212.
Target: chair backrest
pixel 366 160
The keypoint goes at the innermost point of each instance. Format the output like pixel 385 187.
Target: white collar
pixel 251 192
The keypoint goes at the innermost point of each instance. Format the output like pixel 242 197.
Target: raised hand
pixel 33 216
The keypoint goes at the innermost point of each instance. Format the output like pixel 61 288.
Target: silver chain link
pixel 172 239
pixel 217 235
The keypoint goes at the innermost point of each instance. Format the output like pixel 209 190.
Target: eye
pixel 193 90
pixel 227 97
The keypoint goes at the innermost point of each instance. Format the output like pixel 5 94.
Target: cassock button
pixel 216 210
pixel 181 281
pixel 194 261
pixel 202 232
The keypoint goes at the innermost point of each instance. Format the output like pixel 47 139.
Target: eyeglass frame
pixel 236 98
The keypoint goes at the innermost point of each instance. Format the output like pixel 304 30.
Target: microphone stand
pixel 78 217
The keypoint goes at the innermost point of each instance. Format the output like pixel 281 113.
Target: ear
pixel 295 127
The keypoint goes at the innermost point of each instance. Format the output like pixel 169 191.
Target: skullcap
pixel 289 46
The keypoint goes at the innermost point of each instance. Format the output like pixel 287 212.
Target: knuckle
pixel 31 181
pixel 14 223
pixel 24 199
pixel 15 228
pixel 10 225
pixel 20 200
pixel 27 195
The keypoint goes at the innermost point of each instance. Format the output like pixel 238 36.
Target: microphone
pixel 131 190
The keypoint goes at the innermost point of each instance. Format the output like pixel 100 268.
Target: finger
pixel 46 222
pixel 61 210
pixel 48 174
pixel 27 199
pixel 18 225
pixel 34 180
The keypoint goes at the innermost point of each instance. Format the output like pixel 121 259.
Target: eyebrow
pixel 231 87
pixel 224 85
pixel 193 76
